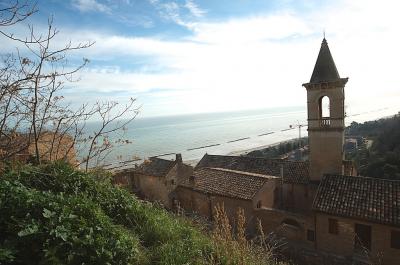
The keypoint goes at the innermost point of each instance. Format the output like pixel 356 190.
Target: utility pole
pixel 298 125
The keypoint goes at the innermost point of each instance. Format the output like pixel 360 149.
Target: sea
pixel 237 132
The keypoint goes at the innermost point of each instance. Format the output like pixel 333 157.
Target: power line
pixel 290 127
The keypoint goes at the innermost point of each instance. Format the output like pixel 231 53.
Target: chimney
pixel 178 158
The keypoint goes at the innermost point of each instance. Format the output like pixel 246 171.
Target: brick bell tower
pixel 325 106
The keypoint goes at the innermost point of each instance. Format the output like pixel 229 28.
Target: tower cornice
pixel 341 82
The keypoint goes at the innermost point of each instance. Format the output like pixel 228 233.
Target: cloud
pixel 194 9
pixel 257 61
pixel 183 15
pixel 90 6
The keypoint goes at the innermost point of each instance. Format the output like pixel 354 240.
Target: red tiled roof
pixel 225 182
pixel 371 199
pixel 293 171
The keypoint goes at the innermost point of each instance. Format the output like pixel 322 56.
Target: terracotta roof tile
pixel 293 171
pixel 371 199
pixel 225 182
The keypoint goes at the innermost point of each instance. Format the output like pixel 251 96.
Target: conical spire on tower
pixel 325 68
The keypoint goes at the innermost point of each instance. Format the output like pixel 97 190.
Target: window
pixel 258 204
pixel 395 239
pixel 362 238
pixel 324 107
pixel 173 181
pixel 310 235
pixel 276 196
pixel 333 226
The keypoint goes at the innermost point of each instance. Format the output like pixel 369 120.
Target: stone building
pixel 155 179
pixel 290 191
pixel 358 215
pixel 209 187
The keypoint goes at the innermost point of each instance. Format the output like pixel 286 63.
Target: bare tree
pixel 33 111
pixel 100 142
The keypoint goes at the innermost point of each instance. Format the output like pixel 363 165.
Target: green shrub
pixel 45 228
pixel 55 214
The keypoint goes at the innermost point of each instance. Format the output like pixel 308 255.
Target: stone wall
pixel 286 224
pixel 204 205
pixel 326 140
pixel 193 201
pixel 268 195
pixel 343 242
pixel 153 188
pixel 298 197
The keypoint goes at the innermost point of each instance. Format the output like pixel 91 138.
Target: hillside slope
pixel 55 214
pixel 382 159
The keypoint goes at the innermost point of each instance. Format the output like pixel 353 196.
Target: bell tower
pixel 325 107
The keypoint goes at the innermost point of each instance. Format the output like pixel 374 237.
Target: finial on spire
pixel 324 33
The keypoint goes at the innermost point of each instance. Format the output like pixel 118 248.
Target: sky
pixel 194 56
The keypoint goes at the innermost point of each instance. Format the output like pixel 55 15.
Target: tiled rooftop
pixel 293 172
pixel 225 182
pixel 371 199
pixel 156 167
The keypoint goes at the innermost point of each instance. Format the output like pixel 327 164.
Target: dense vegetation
pixel 276 151
pixel 54 214
pixel 382 158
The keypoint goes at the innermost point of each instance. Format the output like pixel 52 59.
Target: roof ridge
pixel 360 177
pixel 241 172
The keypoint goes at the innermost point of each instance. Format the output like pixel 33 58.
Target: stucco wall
pixel 343 242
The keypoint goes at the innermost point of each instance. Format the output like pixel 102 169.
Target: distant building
pixel 350 145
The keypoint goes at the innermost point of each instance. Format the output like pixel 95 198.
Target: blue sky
pixel 192 56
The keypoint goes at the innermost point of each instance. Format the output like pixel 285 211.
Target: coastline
pixel 193 162
pixel 246 151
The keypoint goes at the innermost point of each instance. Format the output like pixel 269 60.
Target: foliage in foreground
pixel 55 214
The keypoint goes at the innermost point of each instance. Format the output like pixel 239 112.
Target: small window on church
pixel 324 107
pixel 333 226
pixel 395 239
pixel 258 204
pixel 310 235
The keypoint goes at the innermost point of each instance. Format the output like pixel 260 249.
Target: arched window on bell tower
pixel 324 107
pixel 324 111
